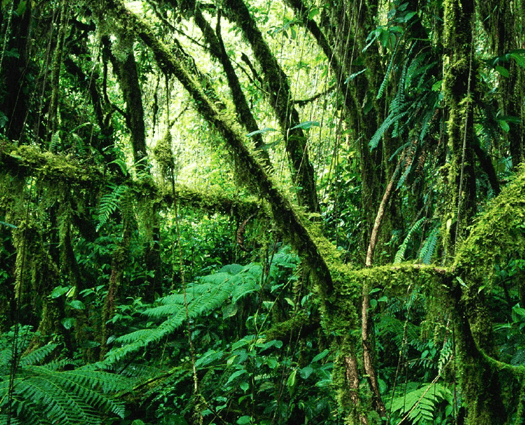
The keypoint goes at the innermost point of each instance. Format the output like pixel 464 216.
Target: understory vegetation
pixel 262 212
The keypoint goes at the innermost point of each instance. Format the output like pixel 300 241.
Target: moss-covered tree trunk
pixel 16 70
pixel 118 263
pixel 510 37
pixel 460 89
pixel 218 50
pixel 473 327
pixel 281 98
pixel 102 140
pixel 125 67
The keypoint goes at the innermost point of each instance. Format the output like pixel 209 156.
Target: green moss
pixel 497 233
pixel 164 154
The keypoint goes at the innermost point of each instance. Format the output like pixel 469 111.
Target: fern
pixel 207 294
pixel 109 203
pixel 420 403
pixel 425 255
pixel 387 73
pixel 38 356
pixel 407 171
pixel 397 330
pixel 44 393
pixel 391 119
pixel 400 254
pixel 413 69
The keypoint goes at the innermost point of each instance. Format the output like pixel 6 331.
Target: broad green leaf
pixel 408 16
pixel 520 60
pixel 273 343
pixel 384 38
pixel 320 356
pixel 503 71
pixel 292 381
pixel 461 282
pixel 306 125
pixel 241 343
pixel 68 322
pixel 209 357
pixel 305 372
pixel 290 302
pixel 272 363
pixel 504 125
pixel 77 305
pixel 59 291
pixel 313 13
pixel 236 375
pixel 437 85
pixel 518 312
pixel 21 8
pixel 243 420
pixel 264 130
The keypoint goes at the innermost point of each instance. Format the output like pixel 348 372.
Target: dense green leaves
pixel 46 391
pixel 189 192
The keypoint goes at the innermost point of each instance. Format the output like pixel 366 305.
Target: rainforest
pixel 262 212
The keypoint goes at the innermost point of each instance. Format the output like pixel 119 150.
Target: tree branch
pixel 288 218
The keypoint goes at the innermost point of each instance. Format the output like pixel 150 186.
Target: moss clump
pixel 164 154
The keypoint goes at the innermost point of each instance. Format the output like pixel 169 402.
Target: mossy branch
pixel 289 219
pixel 26 161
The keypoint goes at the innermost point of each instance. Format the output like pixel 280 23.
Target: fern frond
pixel 5 357
pixel 109 203
pixel 405 174
pixel 425 255
pixel 56 403
pixel 387 73
pixel 37 356
pixel 105 381
pixel 427 118
pixel 4 420
pixel 397 330
pixel 400 254
pixel 420 403
pixel 45 394
pixel 391 119
pixel 413 69
pixel 203 296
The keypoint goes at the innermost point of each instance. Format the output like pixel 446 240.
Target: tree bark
pixel 281 101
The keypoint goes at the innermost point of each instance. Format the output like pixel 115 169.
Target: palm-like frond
pixel 44 393
pixel 420 403
pixel 205 295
